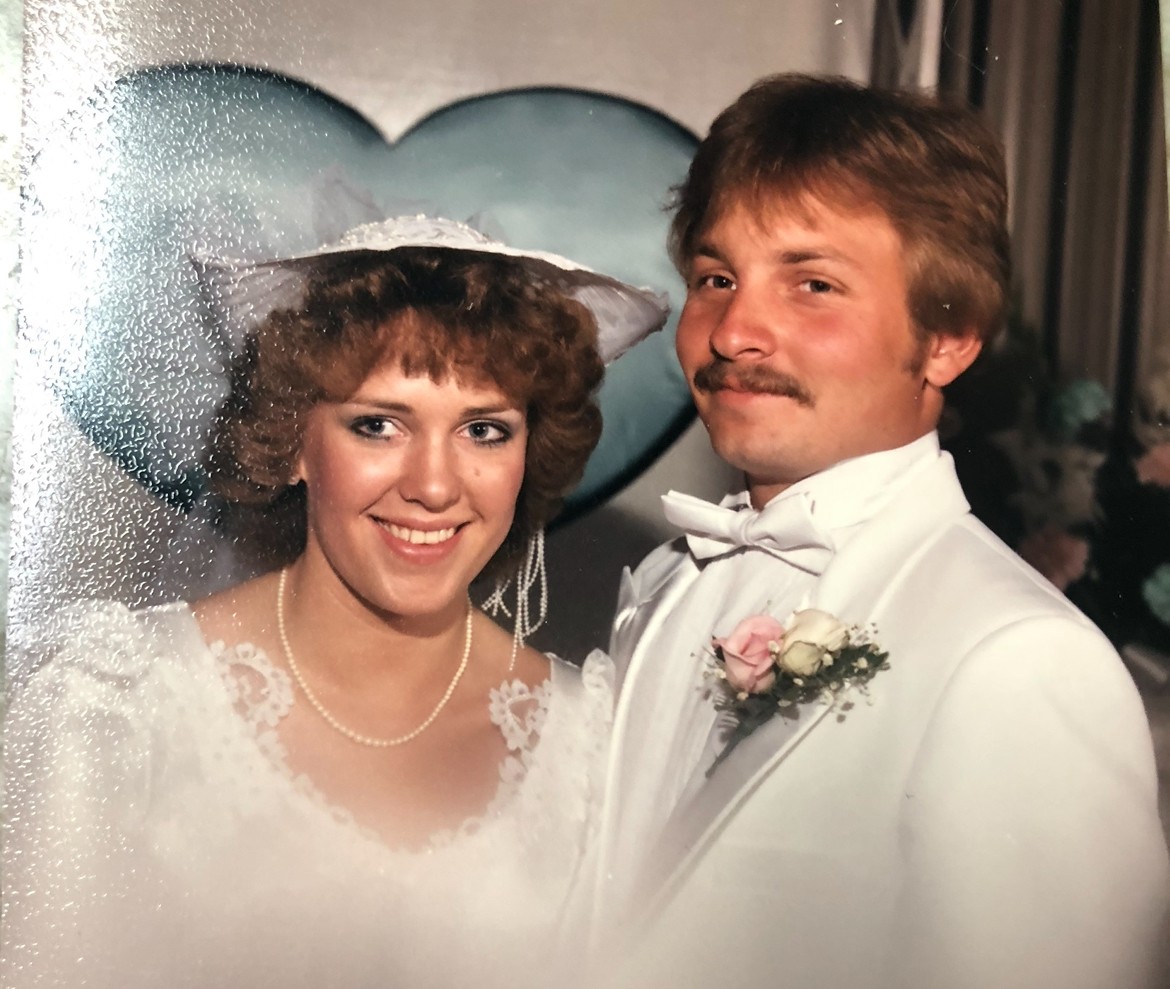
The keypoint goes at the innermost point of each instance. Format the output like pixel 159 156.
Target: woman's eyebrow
pixel 383 405
pixel 487 410
pixel 389 405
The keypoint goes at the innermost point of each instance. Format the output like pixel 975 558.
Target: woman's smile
pixel 422 546
pixel 435 466
pixel 428 537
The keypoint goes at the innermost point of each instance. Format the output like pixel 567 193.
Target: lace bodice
pixel 151 808
pixel 263 694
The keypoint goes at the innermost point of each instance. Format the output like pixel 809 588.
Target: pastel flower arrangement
pixel 1085 505
pixel 1156 592
pixel 765 666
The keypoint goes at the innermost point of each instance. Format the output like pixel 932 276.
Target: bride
pixel 340 773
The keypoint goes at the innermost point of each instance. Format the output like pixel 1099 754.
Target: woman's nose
pixel 431 476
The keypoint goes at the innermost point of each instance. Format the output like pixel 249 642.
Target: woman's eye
pixel 377 427
pixel 487 433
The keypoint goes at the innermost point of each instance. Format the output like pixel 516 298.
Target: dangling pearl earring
pixel 531 573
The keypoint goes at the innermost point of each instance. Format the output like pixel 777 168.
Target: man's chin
pixel 752 421
pixel 759 470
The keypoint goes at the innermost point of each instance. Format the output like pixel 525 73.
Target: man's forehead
pixel 804 201
pixel 763 212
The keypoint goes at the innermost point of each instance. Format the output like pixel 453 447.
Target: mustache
pixel 751 378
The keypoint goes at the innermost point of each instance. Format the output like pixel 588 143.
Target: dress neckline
pixel 519 711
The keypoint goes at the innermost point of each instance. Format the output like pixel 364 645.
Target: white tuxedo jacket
pixel 986 820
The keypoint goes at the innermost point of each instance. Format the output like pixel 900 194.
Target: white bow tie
pixel 784 527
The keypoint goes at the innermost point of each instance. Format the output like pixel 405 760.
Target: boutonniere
pixel 764 667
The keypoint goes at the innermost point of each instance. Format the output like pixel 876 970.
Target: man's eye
pixel 816 286
pixel 721 282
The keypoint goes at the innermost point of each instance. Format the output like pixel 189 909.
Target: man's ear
pixel 949 355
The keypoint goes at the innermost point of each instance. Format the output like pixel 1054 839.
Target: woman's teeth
pixel 425 537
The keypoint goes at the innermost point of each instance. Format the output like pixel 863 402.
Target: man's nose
pixel 745 329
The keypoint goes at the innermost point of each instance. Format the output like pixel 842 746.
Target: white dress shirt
pixel 677 732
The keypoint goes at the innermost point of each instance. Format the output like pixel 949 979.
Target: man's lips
pixel 731 384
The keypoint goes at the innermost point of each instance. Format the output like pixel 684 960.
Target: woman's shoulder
pixel 572 700
pixel 565 739
pixel 103 637
pixel 579 703
pixel 588 684
pixel 234 614
pixel 95 663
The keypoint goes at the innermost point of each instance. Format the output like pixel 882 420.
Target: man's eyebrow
pixel 800 257
pixel 792 257
pixel 708 250
pixel 787 257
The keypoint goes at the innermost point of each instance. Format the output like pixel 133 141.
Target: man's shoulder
pixel 640 593
pixel 656 568
pixel 967 586
pixel 969 560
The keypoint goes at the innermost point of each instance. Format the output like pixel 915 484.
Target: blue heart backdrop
pixel 173 160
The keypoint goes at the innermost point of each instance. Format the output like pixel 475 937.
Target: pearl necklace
pixel 353 736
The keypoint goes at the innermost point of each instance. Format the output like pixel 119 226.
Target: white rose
pixel 817 628
pixel 809 640
pixel 801 659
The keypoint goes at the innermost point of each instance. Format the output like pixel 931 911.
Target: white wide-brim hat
pixel 242 293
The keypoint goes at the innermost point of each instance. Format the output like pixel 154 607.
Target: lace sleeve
pixel 76 768
pixel 566 765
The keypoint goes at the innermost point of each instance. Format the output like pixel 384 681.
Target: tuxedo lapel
pixel 870 566
pixel 852 588
pixel 642 610
pixel 696 823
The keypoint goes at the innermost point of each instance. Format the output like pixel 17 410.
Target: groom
pixel 984 815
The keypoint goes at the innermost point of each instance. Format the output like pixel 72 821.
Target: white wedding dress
pixel 156 837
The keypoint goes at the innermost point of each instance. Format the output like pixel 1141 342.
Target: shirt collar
pixel 853 491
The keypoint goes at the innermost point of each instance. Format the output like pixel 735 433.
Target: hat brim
pixel 242 293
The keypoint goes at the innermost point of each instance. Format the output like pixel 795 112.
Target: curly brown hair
pixel 935 170
pixel 434 312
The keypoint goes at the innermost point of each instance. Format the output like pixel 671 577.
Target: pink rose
pixel 1154 466
pixel 1057 554
pixel 748 653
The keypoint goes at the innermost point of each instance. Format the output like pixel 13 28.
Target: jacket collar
pixel 854 588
